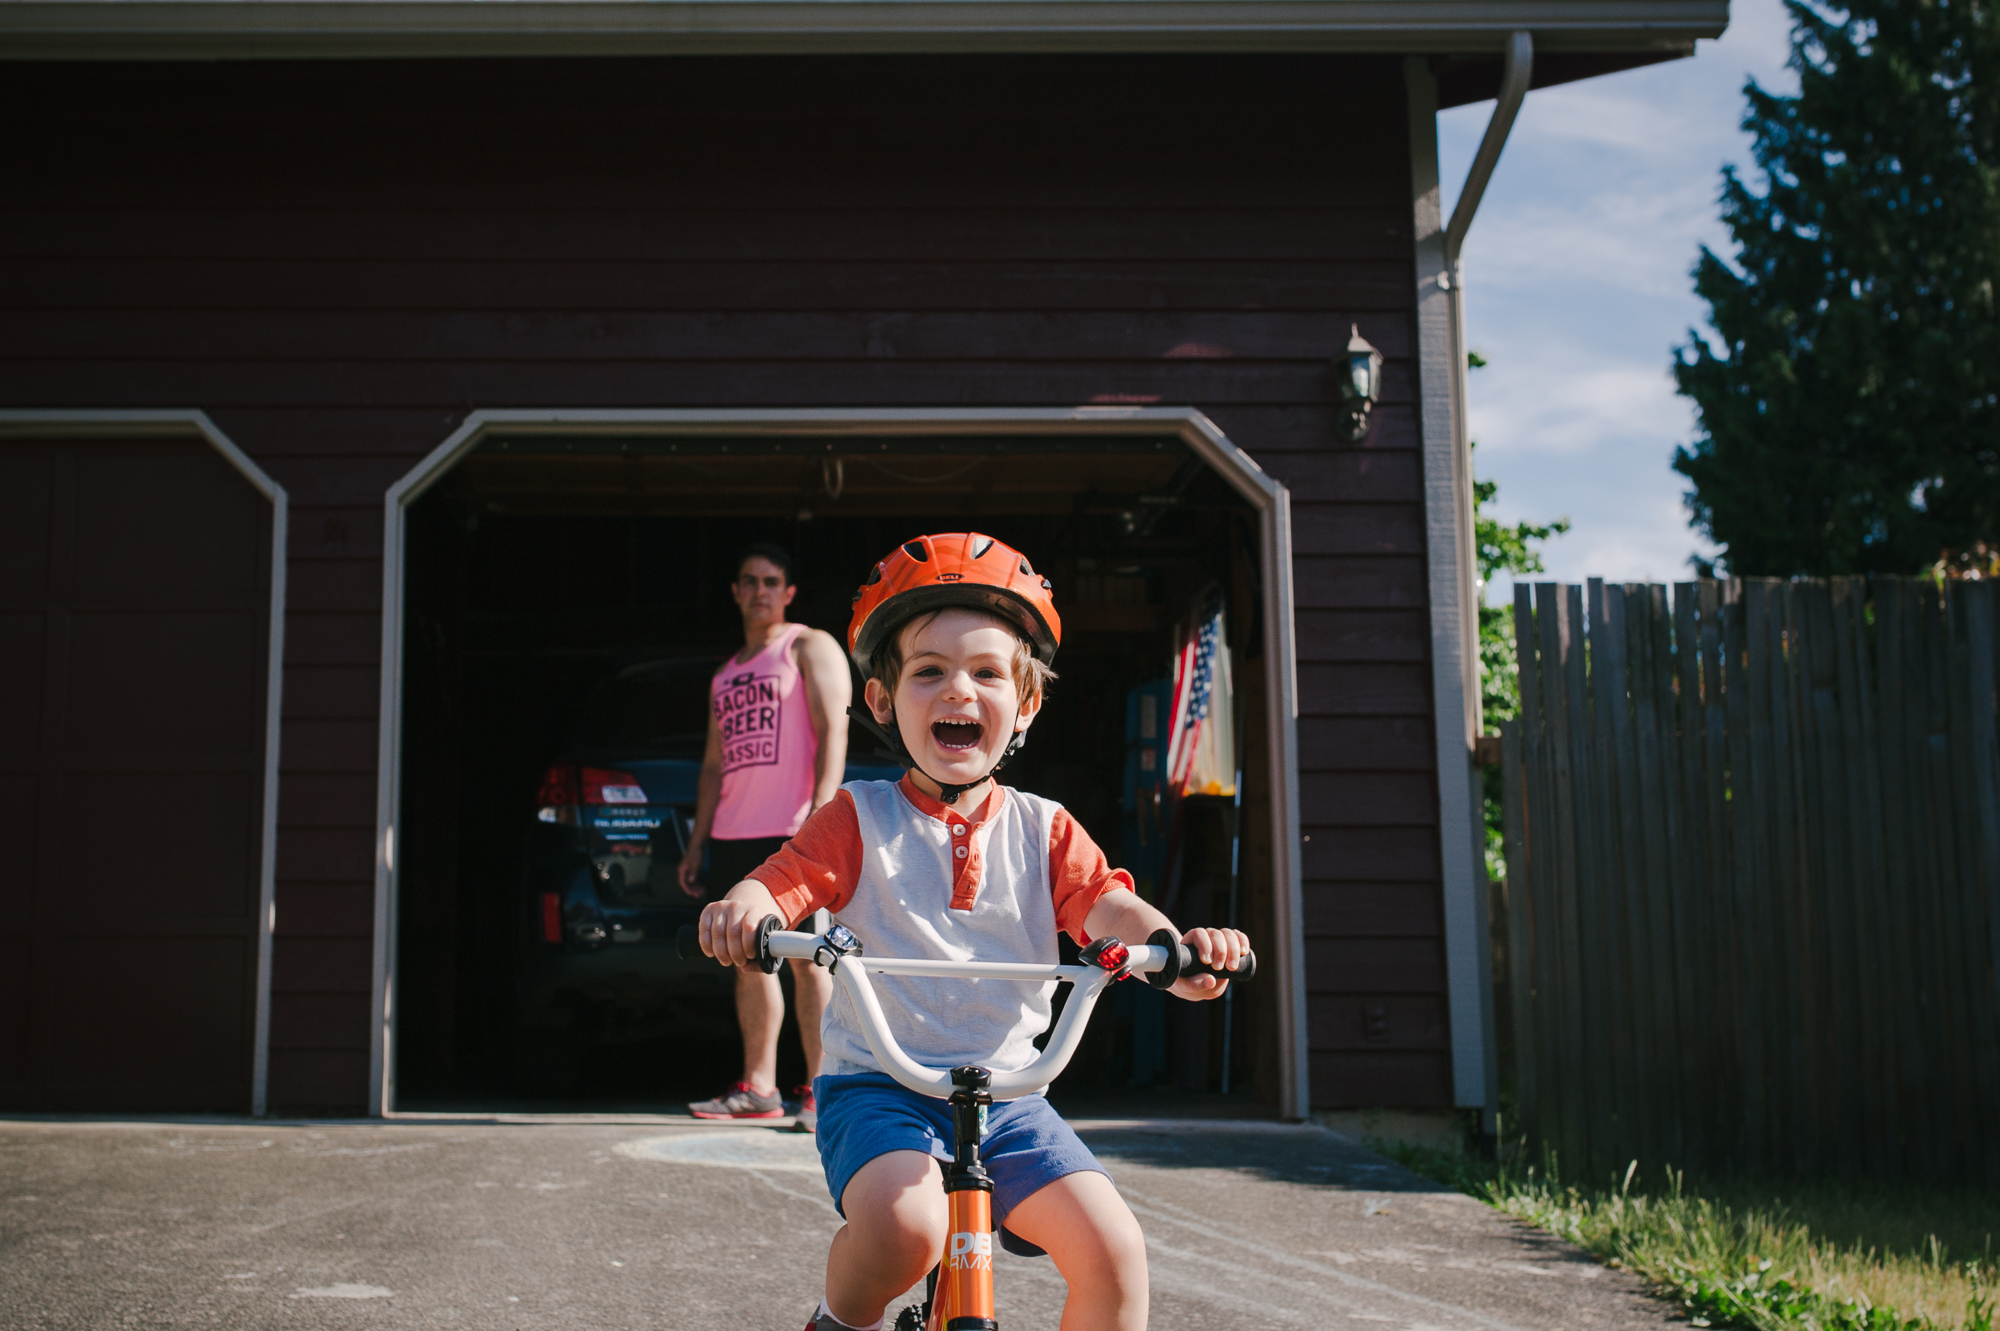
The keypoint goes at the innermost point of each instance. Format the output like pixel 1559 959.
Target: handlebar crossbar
pixel 1163 956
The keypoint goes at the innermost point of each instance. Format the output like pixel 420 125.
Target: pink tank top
pixel 768 746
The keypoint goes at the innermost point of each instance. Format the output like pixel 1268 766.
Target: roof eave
pixel 297 29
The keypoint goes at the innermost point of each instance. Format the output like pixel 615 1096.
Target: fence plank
pixel 1535 994
pixel 1860 766
pixel 1971 708
pixel 1595 796
pixel 1725 850
pixel 1985 634
pixel 1629 971
pixel 1693 934
pixel 1557 610
pixel 1659 813
pixel 1942 836
pixel 1925 1147
pixel 1830 887
pixel 1755 713
pixel 1520 930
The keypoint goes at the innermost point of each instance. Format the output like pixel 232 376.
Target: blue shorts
pixel 1027 1145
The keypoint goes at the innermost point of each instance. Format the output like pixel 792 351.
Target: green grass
pixel 1824 1255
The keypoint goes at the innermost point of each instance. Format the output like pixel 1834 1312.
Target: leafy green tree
pixel 1849 400
pixel 1512 550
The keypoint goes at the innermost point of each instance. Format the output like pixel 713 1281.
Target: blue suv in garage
pixel 602 902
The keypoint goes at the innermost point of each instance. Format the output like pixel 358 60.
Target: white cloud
pixel 1574 404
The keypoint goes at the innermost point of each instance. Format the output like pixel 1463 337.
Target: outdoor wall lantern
pixel 1360 371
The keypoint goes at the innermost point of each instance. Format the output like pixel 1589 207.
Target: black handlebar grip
pixel 687 942
pixel 1181 961
pixel 1246 967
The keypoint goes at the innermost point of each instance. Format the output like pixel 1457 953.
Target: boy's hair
pixel 777 554
pixel 1032 675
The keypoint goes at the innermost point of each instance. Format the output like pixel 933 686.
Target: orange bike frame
pixel 965 1270
pixel 962 1298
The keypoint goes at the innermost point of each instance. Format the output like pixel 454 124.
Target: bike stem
pixel 967 1100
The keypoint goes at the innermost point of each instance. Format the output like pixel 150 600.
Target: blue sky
pixel 1577 289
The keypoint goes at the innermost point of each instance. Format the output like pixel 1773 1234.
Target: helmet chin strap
pixel 893 748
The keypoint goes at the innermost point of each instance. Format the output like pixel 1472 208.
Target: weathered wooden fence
pixel 1753 895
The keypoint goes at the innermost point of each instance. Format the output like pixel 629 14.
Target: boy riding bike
pixel 955 634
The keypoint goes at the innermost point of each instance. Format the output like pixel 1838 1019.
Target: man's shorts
pixel 1027 1145
pixel 730 862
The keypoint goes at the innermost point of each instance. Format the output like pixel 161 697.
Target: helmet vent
pixel 985 544
pixel 916 551
pixel 1026 572
pixel 874 576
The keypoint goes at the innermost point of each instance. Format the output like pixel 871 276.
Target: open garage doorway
pixel 564 600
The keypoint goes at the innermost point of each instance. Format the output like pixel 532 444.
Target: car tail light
pixel 551 917
pixel 604 785
pixel 557 798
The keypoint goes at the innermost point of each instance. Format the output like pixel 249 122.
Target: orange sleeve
pixel 818 868
pixel 1079 873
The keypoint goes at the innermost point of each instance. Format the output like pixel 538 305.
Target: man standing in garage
pixel 777 747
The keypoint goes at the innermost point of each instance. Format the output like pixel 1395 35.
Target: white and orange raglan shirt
pixel 912 877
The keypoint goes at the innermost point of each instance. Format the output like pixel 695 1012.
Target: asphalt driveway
pixel 666 1224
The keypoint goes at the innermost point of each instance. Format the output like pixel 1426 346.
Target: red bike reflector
pixel 605 785
pixel 1114 956
pixel 558 786
pixel 551 917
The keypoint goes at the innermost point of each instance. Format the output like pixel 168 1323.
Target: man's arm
pixel 823 667
pixel 708 794
pixel 1120 914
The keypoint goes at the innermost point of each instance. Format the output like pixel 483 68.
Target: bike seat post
pixel 964 1300
pixel 967 1101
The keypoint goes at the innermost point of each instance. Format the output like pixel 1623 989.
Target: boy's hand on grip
pixel 729 930
pixel 1219 949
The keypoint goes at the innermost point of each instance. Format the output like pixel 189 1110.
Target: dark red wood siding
pixel 339 261
pixel 134 626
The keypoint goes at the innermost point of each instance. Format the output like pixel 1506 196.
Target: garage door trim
pixel 1271 500
pixel 99 424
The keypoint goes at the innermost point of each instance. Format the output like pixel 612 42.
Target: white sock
pixel 827 1314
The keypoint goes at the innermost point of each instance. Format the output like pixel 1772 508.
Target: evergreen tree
pixel 1851 422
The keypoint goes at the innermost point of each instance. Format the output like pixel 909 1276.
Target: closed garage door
pixel 134 596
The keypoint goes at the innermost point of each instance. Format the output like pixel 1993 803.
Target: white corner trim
pixel 99 423
pixel 1270 499
pixel 1454 615
pixel 278 29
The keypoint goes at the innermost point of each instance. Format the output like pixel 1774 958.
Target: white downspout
pixel 1515 73
pixel 1454 587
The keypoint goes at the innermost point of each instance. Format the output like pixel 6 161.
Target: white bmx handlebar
pixel 851 970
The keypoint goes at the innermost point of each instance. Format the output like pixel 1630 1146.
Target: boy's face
pixel 956 705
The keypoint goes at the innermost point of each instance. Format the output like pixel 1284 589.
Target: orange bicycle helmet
pixel 935 573
pixel 958 568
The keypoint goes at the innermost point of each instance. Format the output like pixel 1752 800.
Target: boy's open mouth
pixel 956 735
